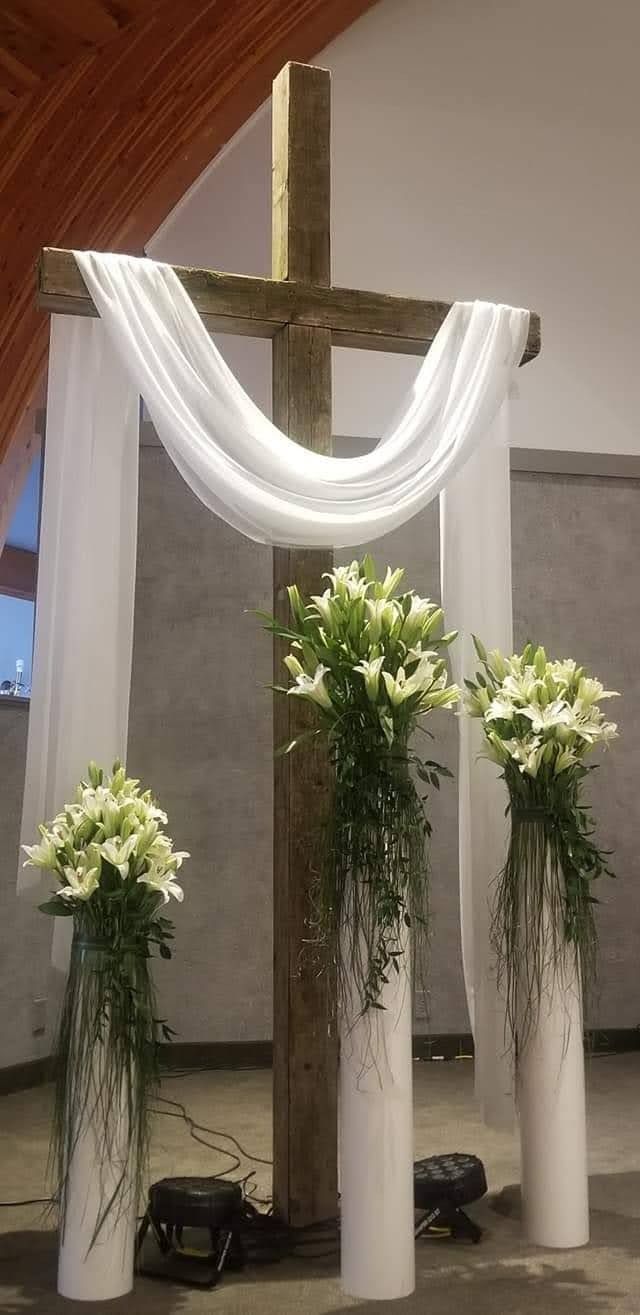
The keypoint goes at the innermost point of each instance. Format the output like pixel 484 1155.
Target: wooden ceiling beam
pixel 8 99
pixel 155 105
pixel 18 572
pixel 87 19
pixel 40 46
pixel 16 73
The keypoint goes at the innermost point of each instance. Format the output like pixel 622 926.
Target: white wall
pixel 482 148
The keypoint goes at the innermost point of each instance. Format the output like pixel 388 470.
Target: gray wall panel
pixel 200 734
pixel 576 548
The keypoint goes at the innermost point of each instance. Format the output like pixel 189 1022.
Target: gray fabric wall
pixel 200 734
pixel 576 549
pixel 25 935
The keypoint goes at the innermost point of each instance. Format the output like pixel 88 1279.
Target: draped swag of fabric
pixel 150 341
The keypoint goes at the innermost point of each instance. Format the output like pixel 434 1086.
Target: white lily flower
pixel 117 852
pixel 313 688
pixel 345 579
pixel 555 714
pixel 563 672
pixel 476 702
pixel 160 850
pixel 521 688
pixel 390 583
pixel 440 695
pixel 324 605
pixel 592 728
pixel 81 883
pixel 371 672
pixel 382 615
pixel 565 759
pixel 43 855
pixel 497 663
pixel 499 709
pixel 163 883
pixel 400 687
pixel 145 837
pixel 496 750
pixel 415 621
pixel 527 753
pixel 591 691
pixel 397 687
pixel 111 817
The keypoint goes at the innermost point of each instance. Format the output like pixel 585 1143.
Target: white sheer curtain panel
pixel 86 578
pixel 475 556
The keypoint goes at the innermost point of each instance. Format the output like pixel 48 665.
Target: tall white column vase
pixel 551 1098
pixel 88 1269
pixel 376 1144
pixel 98 1217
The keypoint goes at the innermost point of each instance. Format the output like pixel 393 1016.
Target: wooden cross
pixel 304 315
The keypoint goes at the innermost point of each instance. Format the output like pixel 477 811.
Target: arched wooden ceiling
pixel 112 108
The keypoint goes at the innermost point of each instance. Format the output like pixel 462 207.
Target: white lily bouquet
pixel 115 870
pixel 372 665
pixel 541 720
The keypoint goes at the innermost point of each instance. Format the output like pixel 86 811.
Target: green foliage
pixel 372 664
pixel 541 719
pixel 106 1059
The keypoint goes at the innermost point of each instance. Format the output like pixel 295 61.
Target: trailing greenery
pixel 540 720
pixel 372 666
pixel 116 870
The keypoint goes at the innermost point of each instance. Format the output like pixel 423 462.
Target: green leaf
pixel 57 907
pixel 165 952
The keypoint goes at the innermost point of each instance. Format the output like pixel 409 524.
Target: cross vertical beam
pixel 304 1035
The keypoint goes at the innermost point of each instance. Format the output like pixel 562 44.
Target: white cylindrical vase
pixel 98 1267
pixel 98 1194
pixel 376 1145
pixel 552 1108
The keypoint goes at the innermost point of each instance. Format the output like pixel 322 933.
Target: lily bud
pixel 294 667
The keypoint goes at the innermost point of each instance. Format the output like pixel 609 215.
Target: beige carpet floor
pixel 501 1276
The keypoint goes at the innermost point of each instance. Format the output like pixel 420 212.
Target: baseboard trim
pixel 216 1054
pixel 238 1055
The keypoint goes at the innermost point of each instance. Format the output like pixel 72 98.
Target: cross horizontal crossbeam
pixel 260 307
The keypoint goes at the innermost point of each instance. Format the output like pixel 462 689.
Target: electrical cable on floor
pixel 266 1239
pixel 196 1128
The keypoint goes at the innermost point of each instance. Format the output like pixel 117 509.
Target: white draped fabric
pixel 86 578
pixel 475 557
pixel 151 341
pixel 243 468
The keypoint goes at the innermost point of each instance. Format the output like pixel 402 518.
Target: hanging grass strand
pixel 373 665
pixel 541 719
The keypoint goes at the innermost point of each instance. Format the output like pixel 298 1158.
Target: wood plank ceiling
pixel 109 110
pixel 40 38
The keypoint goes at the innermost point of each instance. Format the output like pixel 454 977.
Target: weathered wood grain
pixel 260 308
pixel 304 1039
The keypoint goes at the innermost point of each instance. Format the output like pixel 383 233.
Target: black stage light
pixel 442 1185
